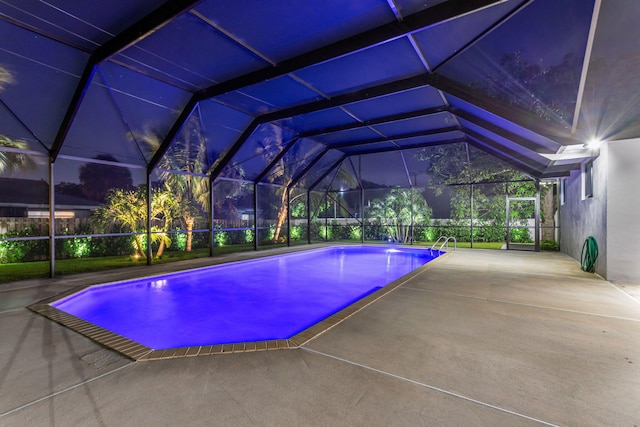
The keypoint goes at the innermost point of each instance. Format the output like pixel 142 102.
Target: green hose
pixel 589 255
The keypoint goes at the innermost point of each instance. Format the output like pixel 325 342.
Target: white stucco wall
pixel 623 211
pixel 581 218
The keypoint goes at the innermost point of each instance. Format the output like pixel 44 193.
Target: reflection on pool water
pixel 264 299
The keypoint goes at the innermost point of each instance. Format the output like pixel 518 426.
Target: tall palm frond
pixel 6 78
pixel 272 141
pixel 14 161
pixel 125 209
pixel 399 210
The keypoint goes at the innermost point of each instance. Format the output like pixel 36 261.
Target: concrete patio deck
pixel 480 338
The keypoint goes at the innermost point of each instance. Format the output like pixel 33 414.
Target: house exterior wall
pixel 583 217
pixel 623 211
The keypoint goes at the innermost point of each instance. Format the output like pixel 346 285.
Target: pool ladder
pixel 445 243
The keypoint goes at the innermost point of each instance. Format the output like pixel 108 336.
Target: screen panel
pixel 295 27
pixel 538 71
pixel 37 79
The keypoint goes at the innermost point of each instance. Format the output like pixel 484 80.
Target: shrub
pixel 319 231
pixel 179 240
pixel 549 245
pixel 355 232
pixel 338 232
pixel 23 250
pixel 249 236
pixel 200 240
pixel 110 246
pixel 426 234
pixel 520 235
pixel 220 238
pixel 488 233
pixel 77 247
pixel 295 232
pixel 375 230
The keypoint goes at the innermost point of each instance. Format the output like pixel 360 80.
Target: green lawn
pixel 476 245
pixel 32 270
pixel 23 270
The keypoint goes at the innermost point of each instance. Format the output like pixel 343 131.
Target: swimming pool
pixel 271 299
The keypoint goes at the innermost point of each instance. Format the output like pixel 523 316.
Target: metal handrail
pixel 446 242
pixel 438 241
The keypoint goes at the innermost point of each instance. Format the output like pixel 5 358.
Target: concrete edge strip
pixel 430 387
pixel 308 335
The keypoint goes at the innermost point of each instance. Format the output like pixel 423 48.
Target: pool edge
pixel 325 325
pixel 138 352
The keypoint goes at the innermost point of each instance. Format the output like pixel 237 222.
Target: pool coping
pixel 138 352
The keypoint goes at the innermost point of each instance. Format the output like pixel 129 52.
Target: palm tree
pixel 128 209
pixel 164 205
pixel 286 168
pixel 399 209
pixel 188 157
pixel 11 161
pixel 6 78
pixel 187 154
pixel 269 144
pixel 124 208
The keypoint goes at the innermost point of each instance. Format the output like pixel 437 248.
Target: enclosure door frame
pixel 536 227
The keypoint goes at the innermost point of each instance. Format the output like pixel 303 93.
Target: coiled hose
pixel 589 255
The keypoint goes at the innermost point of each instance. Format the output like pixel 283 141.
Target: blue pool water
pixel 263 299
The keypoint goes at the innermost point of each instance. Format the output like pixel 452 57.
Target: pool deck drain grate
pixel 138 352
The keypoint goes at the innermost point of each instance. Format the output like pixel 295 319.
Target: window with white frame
pixel 587 180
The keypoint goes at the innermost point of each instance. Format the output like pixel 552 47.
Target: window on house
pixel 587 179
pixel 563 191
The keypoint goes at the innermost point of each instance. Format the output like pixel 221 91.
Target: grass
pixel 481 245
pixel 23 270
pixel 476 245
pixel 39 269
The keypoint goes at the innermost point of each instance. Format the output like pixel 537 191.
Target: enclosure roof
pixel 527 81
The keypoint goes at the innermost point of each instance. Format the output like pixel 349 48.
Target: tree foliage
pixel 548 92
pixel 270 141
pixel 399 210
pixel 123 211
pixel 458 166
pixel 182 167
pixel 6 78
pixel 454 164
pixel 126 211
pixel 12 161
pixel 96 179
